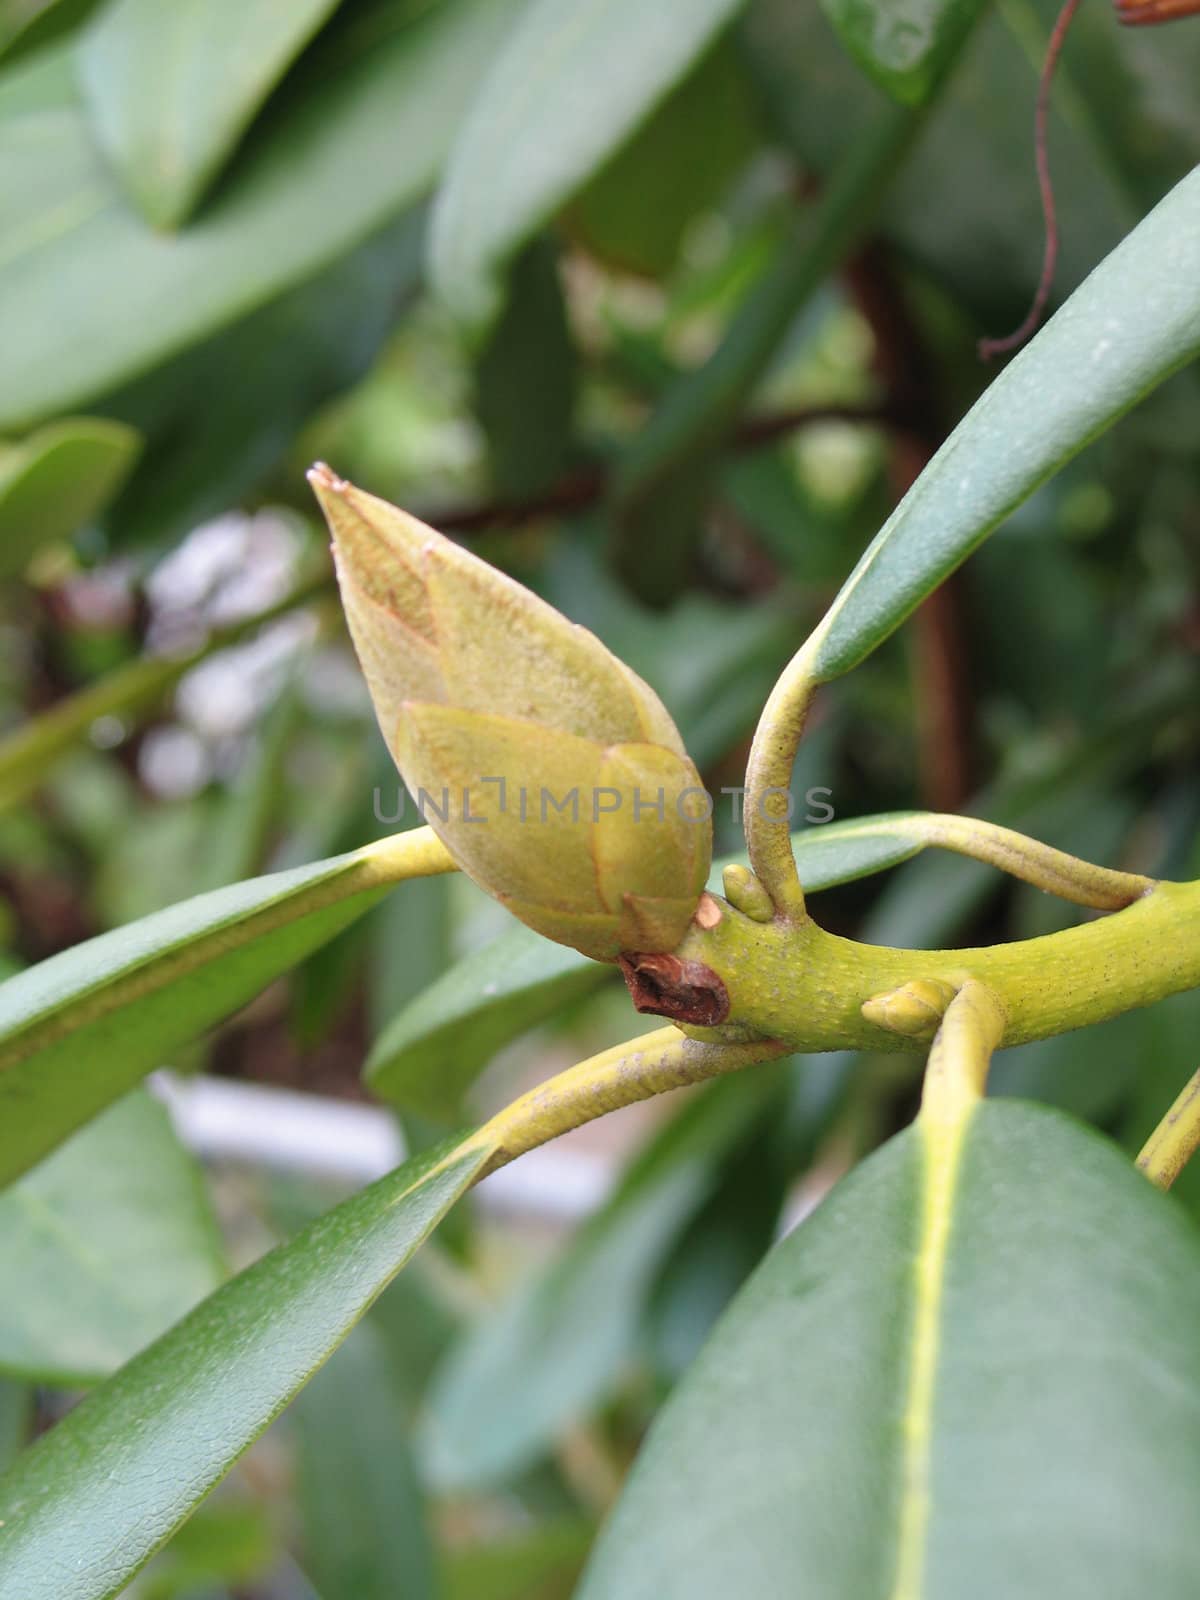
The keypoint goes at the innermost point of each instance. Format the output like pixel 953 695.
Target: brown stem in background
pixel 588 486
pixel 943 708
pixel 995 347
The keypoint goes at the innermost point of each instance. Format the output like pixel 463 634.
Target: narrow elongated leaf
pixel 529 1369
pixel 572 83
pixel 90 1503
pixel 435 1048
pixel 91 296
pixel 903 44
pixel 80 1029
pixel 1130 325
pixel 983 1382
pixel 106 1244
pixel 57 480
pixel 365 1534
pixel 171 89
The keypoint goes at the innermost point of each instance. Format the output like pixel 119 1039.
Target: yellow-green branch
pixel 1039 864
pixel 662 1060
pixel 807 987
pixel 768 782
pixel 970 1031
pixel 1175 1141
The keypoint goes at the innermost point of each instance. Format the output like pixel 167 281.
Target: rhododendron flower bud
pixel 550 771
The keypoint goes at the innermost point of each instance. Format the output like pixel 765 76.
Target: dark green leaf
pixel 171 89
pixel 569 88
pixel 1008 1407
pixel 102 1247
pixel 89 1504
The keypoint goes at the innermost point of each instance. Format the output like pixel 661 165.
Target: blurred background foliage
pixel 661 308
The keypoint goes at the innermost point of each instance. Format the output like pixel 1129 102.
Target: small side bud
pixel 746 893
pixel 914 1009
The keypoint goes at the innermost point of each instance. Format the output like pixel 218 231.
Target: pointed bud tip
pixel 325 478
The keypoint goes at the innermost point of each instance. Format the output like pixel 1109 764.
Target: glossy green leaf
pixel 80 1029
pixel 172 89
pixel 92 1501
pixel 996 1400
pixel 903 44
pixel 570 86
pixel 527 1370
pixel 365 1535
pixel 76 258
pixel 57 480
pixel 102 1247
pixel 1130 325
pixel 525 379
pixel 435 1048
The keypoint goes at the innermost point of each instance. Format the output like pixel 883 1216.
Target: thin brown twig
pixel 995 347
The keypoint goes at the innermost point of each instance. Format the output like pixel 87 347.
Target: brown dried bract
pixel 669 986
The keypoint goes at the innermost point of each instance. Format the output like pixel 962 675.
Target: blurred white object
pixel 222 1120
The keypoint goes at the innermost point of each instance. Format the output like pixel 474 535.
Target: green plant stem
pixel 658 1061
pixel 969 1035
pixel 1081 882
pixel 807 987
pixel 1175 1141
pixel 768 780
